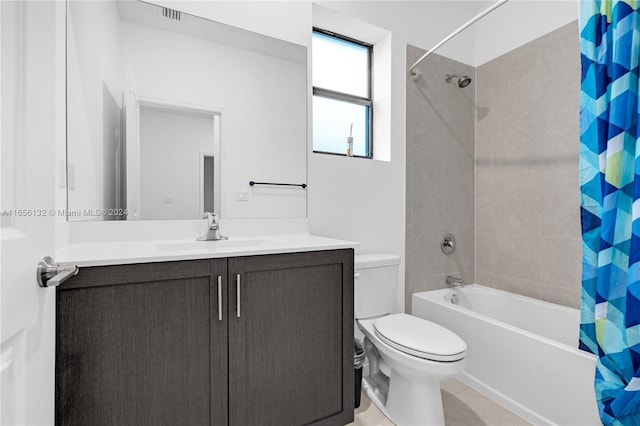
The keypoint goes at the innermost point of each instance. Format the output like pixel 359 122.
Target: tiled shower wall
pixel 520 210
pixel 527 191
pixel 440 174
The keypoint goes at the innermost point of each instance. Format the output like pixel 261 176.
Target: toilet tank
pixel 376 278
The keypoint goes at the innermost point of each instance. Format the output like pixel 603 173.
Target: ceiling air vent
pixel 171 14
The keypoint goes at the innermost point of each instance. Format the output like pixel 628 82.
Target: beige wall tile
pixel 517 167
pixel 485 175
pixel 423 254
pixel 487 82
pixel 440 139
pixel 527 149
pixel 561 295
pixel 460 119
pixel 485 253
pixel 514 285
pixel 458 212
pixel 517 212
pixel 519 102
pixel 426 207
pixel 518 69
pixel 518 256
pixel 424 169
pixel 486 279
pixel 560 214
pixel 461 261
pixel 560 79
pixel 560 188
pixel 560 262
pixel 485 211
pixel 459 174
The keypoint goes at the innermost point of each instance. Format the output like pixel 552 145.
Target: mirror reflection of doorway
pixel 177 164
pixel 207 167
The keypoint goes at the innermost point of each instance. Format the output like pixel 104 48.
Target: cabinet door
pixel 291 339
pixel 136 345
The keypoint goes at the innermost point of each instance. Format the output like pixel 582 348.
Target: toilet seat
pixel 419 337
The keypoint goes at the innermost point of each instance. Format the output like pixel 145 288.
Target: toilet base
pixel 407 402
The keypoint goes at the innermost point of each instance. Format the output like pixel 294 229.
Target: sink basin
pixel 209 245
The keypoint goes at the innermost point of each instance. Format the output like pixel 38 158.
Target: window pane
pixel 332 120
pixel 340 65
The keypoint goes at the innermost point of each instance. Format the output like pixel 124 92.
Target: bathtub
pixel 522 352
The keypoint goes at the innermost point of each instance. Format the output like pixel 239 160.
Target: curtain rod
pixel 414 71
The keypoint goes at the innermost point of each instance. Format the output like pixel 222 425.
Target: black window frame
pixel 346 97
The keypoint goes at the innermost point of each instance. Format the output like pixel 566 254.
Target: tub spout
pixel 454 281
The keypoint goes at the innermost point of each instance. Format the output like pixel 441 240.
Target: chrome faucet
pixel 454 281
pixel 213 228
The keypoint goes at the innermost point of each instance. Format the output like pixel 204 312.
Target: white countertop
pixel 128 252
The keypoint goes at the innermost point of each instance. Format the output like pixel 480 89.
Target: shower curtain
pixel 610 203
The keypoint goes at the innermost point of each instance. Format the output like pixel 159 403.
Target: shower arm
pixel 414 68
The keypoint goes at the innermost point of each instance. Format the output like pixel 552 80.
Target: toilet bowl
pixel 404 382
pixel 408 356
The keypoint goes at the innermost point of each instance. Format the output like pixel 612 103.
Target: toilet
pixel 408 356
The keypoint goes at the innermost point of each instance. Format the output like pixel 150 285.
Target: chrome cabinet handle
pixel 219 298
pixel 51 275
pixel 238 295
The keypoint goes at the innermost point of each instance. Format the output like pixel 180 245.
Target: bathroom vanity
pixel 222 339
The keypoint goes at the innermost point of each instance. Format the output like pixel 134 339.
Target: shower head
pixel 463 81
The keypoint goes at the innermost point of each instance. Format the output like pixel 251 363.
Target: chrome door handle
pixel 51 275
pixel 219 298
pixel 238 295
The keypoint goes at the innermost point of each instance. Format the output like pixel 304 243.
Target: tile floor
pixel 463 406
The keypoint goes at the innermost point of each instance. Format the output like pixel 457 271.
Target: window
pixel 342 99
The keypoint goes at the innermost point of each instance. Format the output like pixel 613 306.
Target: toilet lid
pixel 419 337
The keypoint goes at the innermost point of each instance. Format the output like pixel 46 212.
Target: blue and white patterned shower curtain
pixel 610 203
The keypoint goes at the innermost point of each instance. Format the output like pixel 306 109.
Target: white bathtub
pixel 522 352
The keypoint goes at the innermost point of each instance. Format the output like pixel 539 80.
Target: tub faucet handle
pixel 448 243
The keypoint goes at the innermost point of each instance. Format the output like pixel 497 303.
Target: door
pixel 32 123
pixel 290 339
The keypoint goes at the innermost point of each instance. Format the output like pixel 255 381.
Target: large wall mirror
pixel 170 115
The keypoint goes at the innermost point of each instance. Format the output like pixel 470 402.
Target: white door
pixel 32 126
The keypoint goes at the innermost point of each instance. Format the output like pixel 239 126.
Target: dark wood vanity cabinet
pixel 153 344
